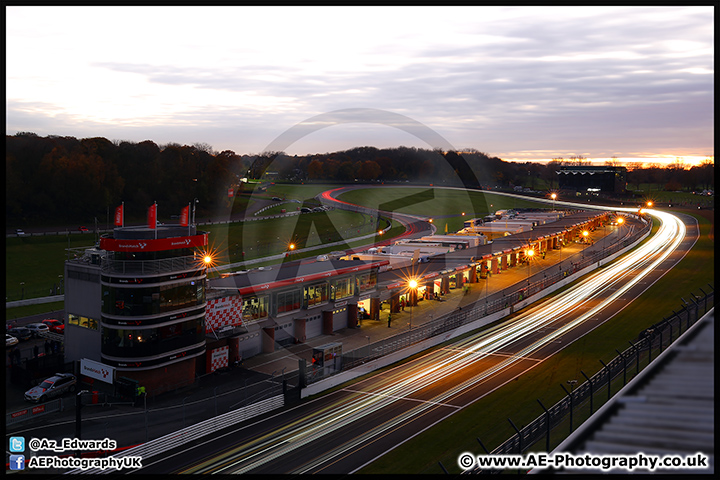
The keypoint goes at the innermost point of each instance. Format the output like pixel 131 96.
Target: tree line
pixel 56 179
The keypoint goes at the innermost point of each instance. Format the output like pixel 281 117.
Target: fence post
pixel 520 449
pixel 571 406
pixel 547 422
pixel 704 300
pixel 482 446
pixel 649 332
pixel 706 296
pixel 669 323
pixel 637 357
pixel 607 371
pixel 624 367
pixel 592 393
pixel 697 307
pixel 679 322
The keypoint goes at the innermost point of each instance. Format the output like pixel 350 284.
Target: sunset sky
pixel 516 83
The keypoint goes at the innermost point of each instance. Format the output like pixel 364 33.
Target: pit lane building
pixel 141 301
pixel 257 311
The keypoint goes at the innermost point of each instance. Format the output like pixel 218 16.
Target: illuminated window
pixel 81 321
pixel 342 288
pixel 316 294
pixel 255 308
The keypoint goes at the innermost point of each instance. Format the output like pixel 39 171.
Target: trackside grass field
pixel 33 265
pixel 451 207
pixel 487 418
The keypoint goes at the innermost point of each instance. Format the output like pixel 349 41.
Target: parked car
pixel 21 333
pixel 54 325
pixel 37 328
pixel 83 229
pixel 305 210
pixel 20 232
pixel 52 387
pixel 10 340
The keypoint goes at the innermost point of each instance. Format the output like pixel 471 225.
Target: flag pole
pixel 155 228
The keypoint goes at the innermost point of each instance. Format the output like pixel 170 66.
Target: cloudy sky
pixel 517 83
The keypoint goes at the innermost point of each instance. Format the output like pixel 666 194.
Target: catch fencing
pixel 603 385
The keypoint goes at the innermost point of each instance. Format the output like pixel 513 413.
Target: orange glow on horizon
pixel 662 161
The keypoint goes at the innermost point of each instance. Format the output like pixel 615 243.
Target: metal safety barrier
pixel 176 439
pixel 35 411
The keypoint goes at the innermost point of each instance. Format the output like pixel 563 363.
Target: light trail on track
pixel 595 293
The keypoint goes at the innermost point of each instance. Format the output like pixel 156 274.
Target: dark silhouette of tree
pixel 369 170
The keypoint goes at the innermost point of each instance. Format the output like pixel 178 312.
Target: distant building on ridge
pixel 587 179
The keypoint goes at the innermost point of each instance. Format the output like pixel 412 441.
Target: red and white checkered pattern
pixel 224 311
pixel 219 358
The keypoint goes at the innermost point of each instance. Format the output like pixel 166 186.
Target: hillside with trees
pixel 54 179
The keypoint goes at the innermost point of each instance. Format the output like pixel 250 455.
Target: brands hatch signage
pixel 97 370
pixel 146 364
pixel 152 245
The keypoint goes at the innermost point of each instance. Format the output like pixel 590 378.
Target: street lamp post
pixel 412 284
pixel 291 248
pixel 78 416
pixel 553 196
pixel 529 254
pixel 620 221
pixel 207 262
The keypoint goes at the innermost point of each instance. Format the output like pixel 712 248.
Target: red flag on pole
pixel 119 219
pixel 184 216
pixel 152 216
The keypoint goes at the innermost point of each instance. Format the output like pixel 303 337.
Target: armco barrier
pixel 194 432
pixel 33 412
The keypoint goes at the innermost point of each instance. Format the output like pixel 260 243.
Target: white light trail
pixel 621 275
